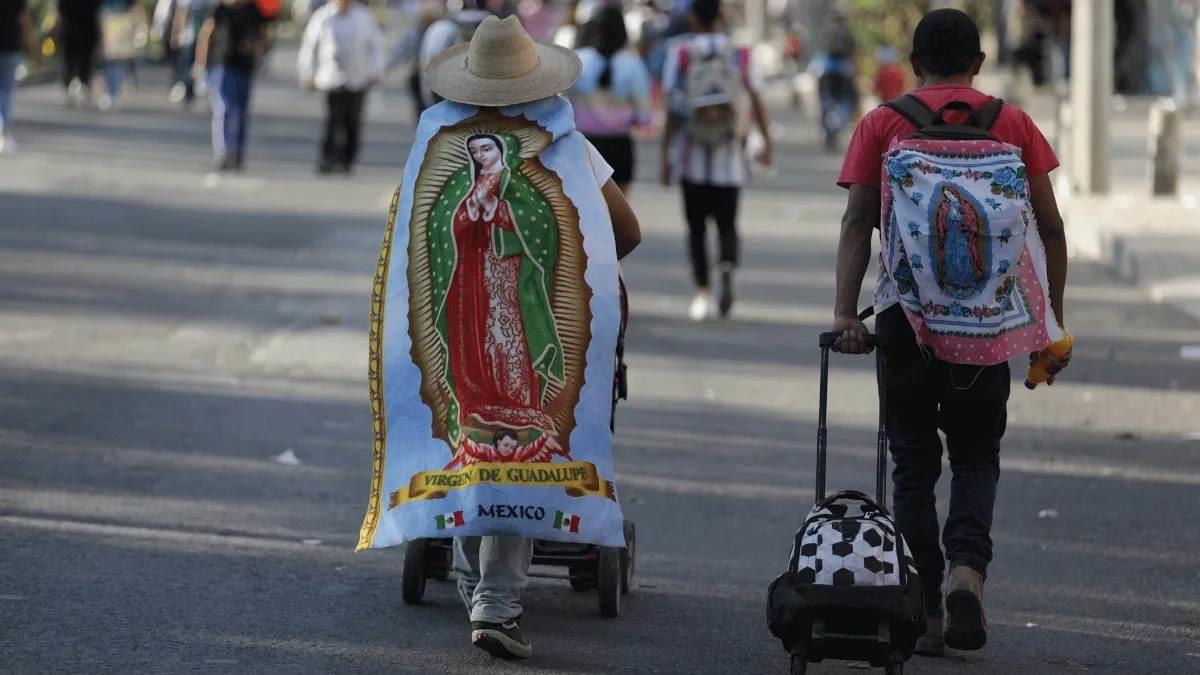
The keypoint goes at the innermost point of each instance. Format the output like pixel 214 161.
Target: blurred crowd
pixel 836 57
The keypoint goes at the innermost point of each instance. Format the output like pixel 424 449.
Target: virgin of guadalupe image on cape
pixel 496 371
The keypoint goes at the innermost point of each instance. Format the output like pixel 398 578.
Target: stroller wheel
pixel 412 581
pixel 608 580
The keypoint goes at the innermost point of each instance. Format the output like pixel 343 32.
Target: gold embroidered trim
pixel 375 378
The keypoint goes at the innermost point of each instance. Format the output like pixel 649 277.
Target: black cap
pixel 946 33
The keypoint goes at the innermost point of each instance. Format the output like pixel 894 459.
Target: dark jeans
pixel 343 127
pixel 969 404
pixel 78 65
pixel 230 92
pixel 701 202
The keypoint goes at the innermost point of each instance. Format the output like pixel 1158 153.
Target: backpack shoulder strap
pixel 912 109
pixel 985 116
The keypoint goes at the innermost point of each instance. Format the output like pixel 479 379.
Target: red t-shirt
pixel 890 82
pixel 883 126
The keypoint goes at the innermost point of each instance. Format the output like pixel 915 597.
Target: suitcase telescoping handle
pixel 826 341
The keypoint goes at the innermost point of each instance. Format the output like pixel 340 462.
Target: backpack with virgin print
pixel 959 238
pixel 714 91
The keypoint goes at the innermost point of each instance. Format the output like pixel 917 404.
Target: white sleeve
pixel 306 63
pixel 670 73
pixel 376 50
pixel 600 167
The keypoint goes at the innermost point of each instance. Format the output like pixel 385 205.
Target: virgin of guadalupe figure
pixel 958 244
pixel 493 243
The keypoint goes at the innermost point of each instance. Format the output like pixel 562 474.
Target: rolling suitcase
pixel 850 590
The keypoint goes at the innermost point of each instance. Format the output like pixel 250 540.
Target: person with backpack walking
pixel 973 270
pixel 442 35
pixel 500 236
pixel 710 84
pixel 342 55
pixel 612 95
pixel 235 35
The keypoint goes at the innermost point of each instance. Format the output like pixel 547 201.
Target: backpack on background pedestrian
pixel 612 95
pixel 16 40
pixel 124 34
pixel 712 91
pixel 492 241
pixel 228 49
pixel 342 56
pixel 972 272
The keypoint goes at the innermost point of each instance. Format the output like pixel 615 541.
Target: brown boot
pixel 931 643
pixel 966 626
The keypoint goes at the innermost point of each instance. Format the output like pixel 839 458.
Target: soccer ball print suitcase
pixel 850 590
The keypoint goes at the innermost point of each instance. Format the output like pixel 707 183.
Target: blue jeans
pixel 114 77
pixel 8 87
pixel 969 404
pixel 230 92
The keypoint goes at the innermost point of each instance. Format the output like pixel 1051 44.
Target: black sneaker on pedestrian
pixel 502 640
pixel 725 299
pixel 226 164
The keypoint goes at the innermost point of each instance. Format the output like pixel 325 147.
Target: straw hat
pixel 501 66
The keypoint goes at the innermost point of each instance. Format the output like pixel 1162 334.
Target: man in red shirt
pixel 925 394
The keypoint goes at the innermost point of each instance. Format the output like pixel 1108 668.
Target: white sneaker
pixel 105 103
pixel 178 93
pixel 75 94
pixel 7 145
pixel 702 306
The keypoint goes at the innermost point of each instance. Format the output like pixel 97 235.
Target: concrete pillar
pixel 1091 94
pixel 1164 147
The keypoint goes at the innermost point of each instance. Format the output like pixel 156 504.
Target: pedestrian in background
pixel 228 49
pixel 123 33
pixel 78 31
pixel 16 35
pixel 186 19
pixel 890 78
pixel 342 56
pixel 612 95
pixel 444 34
pixel 704 144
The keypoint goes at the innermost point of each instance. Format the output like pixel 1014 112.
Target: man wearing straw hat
pixel 503 68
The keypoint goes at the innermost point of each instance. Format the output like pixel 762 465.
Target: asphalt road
pixel 165 335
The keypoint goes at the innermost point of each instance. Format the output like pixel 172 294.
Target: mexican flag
pixel 566 521
pixel 450 520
